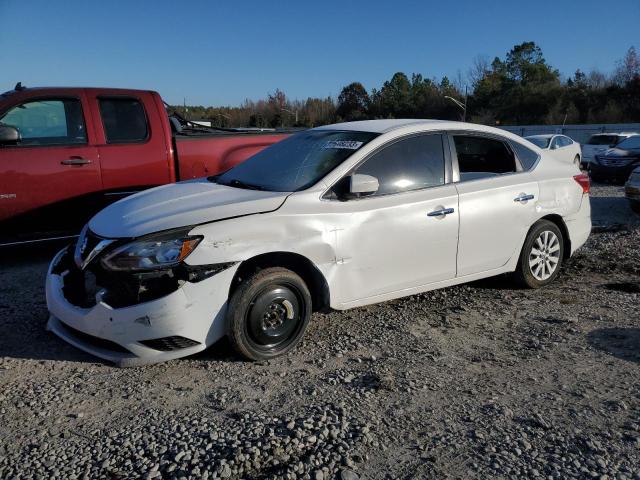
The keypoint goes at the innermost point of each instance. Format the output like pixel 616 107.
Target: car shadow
pixel 612 213
pixel 622 343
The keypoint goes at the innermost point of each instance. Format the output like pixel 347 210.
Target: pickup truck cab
pixel 66 153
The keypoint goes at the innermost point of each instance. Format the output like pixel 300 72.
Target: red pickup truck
pixel 66 153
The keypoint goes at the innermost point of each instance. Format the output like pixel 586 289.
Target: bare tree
pixel 628 67
pixel 480 67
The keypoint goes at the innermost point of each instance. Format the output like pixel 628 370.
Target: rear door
pixel 497 199
pixel 53 169
pixel 131 142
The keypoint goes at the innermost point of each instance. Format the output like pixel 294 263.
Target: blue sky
pixel 219 53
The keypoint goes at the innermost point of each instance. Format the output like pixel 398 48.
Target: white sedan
pixel 561 146
pixel 330 218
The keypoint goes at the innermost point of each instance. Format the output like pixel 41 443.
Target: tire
pixel 538 266
pixel 635 206
pixel 268 314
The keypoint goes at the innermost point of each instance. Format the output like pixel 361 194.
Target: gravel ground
pixel 477 381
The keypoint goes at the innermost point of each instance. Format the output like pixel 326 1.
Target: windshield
pixel 603 140
pixel 631 143
pixel 542 142
pixel 296 162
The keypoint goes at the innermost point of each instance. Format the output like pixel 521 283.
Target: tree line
pixel 521 88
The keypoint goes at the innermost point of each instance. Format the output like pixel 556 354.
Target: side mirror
pixel 554 146
pixel 9 135
pixel 363 184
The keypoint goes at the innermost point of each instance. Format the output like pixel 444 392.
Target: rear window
pixel 480 157
pixel 541 142
pixel 124 120
pixel 603 140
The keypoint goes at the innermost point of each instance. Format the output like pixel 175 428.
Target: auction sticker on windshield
pixel 344 144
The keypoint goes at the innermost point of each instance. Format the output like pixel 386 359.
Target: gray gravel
pixel 477 381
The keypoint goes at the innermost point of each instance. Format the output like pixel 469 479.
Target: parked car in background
pixel 334 217
pixel 632 190
pixel 600 143
pixel 66 153
pixel 561 146
pixel 617 163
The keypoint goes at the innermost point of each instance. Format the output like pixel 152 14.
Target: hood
pixel 179 205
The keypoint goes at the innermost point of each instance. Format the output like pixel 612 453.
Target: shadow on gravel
pixel 623 343
pixel 611 214
pixel 500 282
pixel 624 287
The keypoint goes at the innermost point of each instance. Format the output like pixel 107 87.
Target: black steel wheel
pixel 268 314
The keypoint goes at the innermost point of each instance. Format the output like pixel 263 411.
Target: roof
pixel 56 89
pixel 384 126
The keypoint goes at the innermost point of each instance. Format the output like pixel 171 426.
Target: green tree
pixel 353 102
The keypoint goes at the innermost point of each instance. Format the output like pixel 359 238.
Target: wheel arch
pixel 299 264
pixel 559 222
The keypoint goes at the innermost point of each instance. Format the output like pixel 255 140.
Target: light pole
pixel 223 116
pixel 463 106
pixel 292 113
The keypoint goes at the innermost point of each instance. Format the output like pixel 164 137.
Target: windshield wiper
pixel 234 182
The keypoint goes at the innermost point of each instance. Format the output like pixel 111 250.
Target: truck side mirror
pixel 9 135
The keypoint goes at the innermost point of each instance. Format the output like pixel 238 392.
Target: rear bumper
pixel 194 312
pixel 579 225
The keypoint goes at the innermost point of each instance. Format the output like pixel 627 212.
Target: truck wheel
pixel 635 206
pixel 541 255
pixel 268 314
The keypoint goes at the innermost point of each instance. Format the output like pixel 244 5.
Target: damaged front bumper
pixel 180 323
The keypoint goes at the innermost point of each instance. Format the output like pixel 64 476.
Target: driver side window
pixel 409 164
pixel 48 122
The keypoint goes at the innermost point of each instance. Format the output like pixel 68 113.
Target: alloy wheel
pixel 544 256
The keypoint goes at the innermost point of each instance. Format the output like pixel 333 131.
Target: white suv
pixel 334 217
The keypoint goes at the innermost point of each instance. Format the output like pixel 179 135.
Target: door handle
pixel 524 197
pixel 441 212
pixel 75 161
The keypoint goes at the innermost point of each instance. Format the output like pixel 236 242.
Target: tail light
pixel 583 181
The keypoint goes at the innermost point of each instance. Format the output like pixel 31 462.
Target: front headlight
pixel 151 253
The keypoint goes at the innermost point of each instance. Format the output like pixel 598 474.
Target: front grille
pixel 615 161
pixel 168 344
pixel 95 341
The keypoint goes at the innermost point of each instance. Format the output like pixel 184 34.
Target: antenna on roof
pixel 19 87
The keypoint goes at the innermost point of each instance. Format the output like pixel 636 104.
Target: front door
pixel 46 180
pixel 404 235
